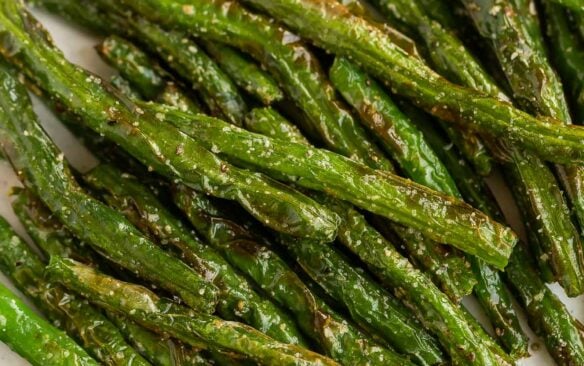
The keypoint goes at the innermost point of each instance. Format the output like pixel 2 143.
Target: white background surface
pixel 78 47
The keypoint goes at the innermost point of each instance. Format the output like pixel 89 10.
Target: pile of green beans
pixel 295 182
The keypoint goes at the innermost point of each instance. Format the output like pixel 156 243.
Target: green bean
pixel 547 315
pixel 245 73
pixel 268 122
pixel 162 315
pixel 134 65
pixel 568 55
pixel 363 9
pixel 160 350
pixel 20 327
pixel 33 338
pixel 399 137
pixel 516 38
pixel 379 192
pixel 472 188
pixel 408 146
pixel 191 63
pixel 547 210
pixel 148 79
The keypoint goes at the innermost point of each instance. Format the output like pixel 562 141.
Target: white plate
pixel 78 47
